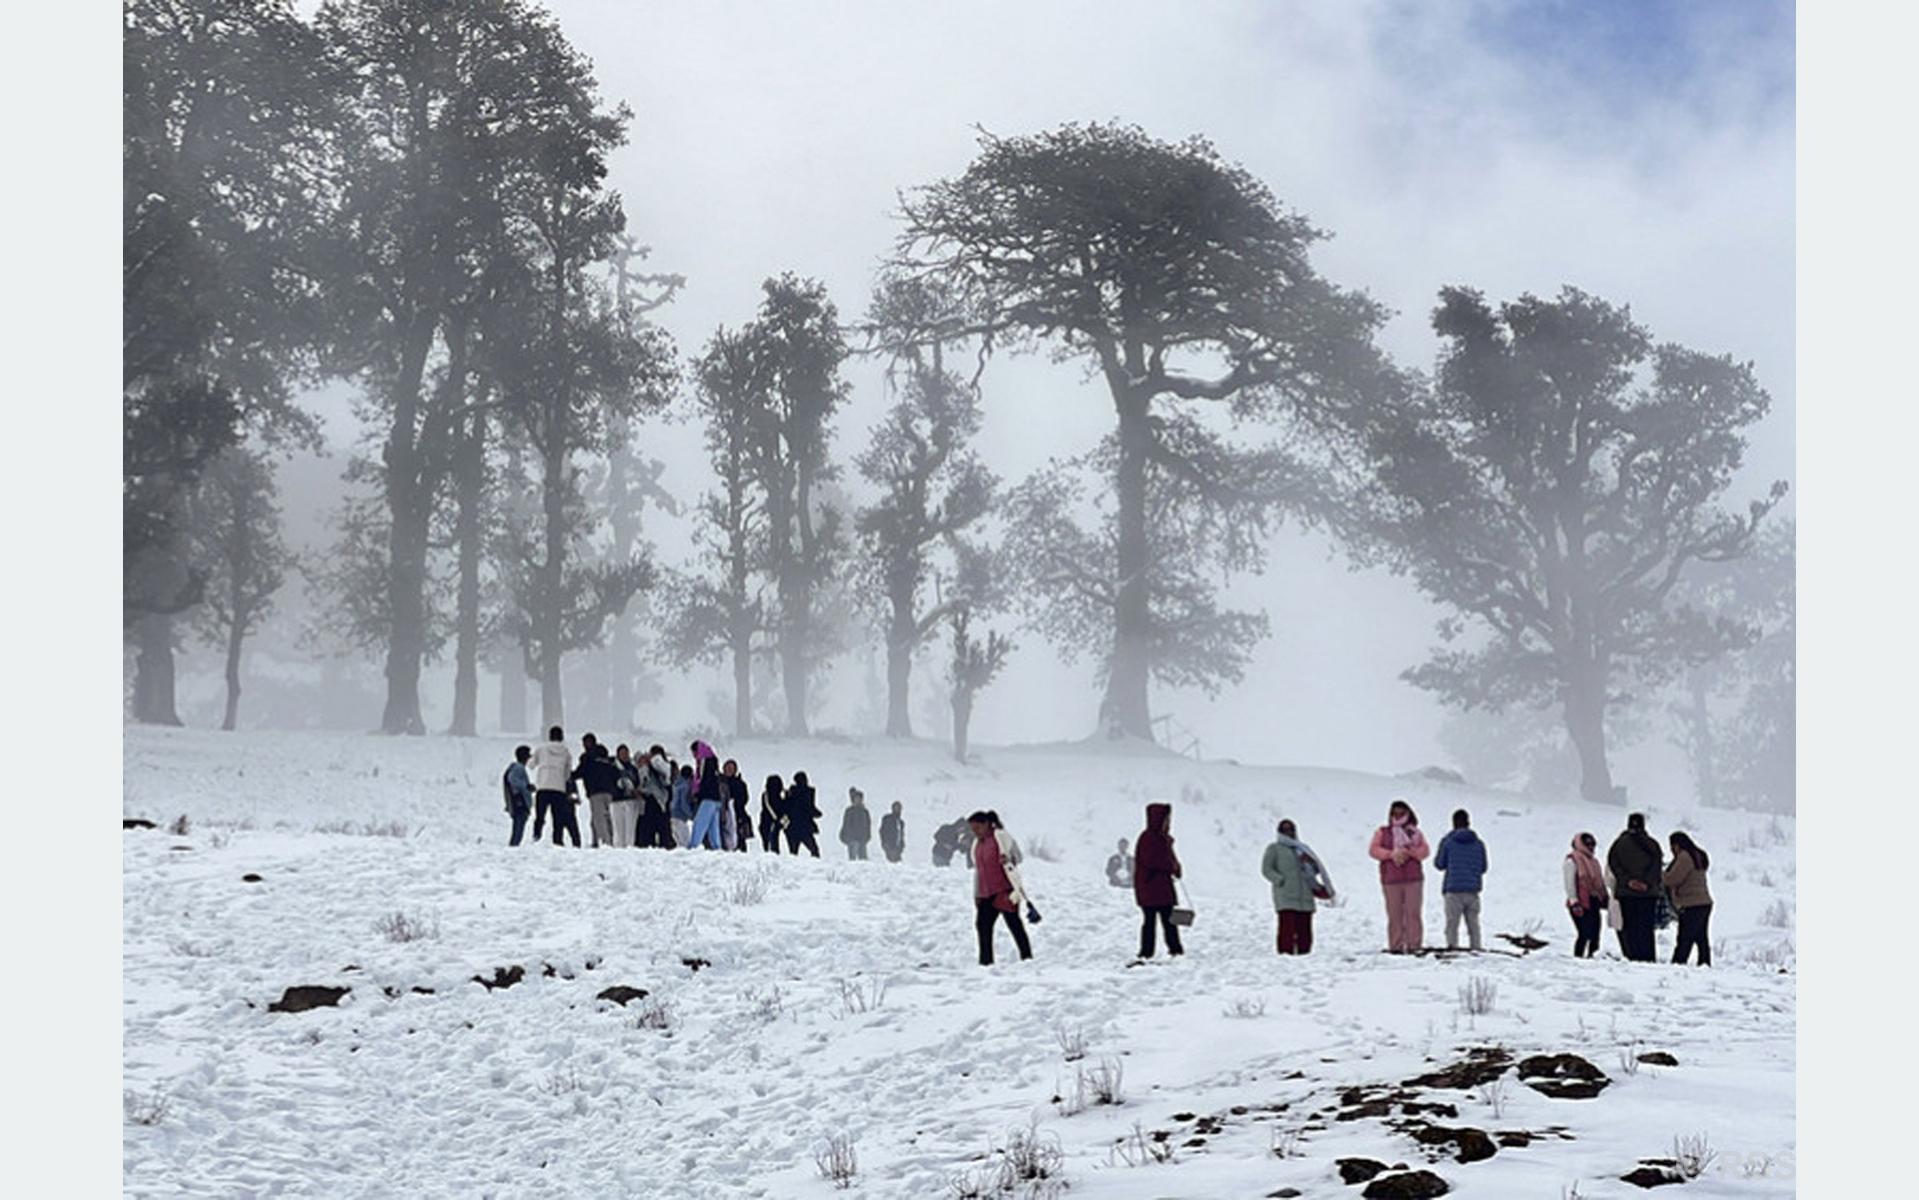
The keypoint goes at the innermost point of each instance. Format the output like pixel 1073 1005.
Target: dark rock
pixel 300 999
pixel 1198 1141
pixel 136 823
pixel 1409 1185
pixel 1658 1058
pixel 694 964
pixel 250 877
pixel 1525 941
pixel 1284 1194
pixel 1563 1076
pixel 503 977
pixel 1514 1139
pixel 420 991
pixel 621 994
pixel 1482 1065
pixel 1652 1177
pixel 1469 1145
pixel 1413 1108
pixel 1358 1170
pixel 1372 1108
pixel 1183 1116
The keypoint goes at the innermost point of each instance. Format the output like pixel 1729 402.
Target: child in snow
pixel 1299 881
pixel 1119 868
pixel 996 884
pixel 1399 848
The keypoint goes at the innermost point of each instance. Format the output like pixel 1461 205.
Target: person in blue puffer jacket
pixel 1462 856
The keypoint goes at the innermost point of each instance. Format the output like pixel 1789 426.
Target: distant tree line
pixel 412 196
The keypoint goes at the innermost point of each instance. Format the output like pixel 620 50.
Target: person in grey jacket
pixel 519 792
pixel 1299 880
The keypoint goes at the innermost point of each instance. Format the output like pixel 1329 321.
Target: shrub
pixel 1138 1150
pixel 1493 1095
pixel 655 1013
pixel 1245 1008
pixel 1778 915
pixel 858 998
pixel 561 1081
pixel 748 889
pixel 1478 995
pixel 1072 1040
pixel 1694 1154
pixel 181 826
pixel 404 927
pixel 837 1161
pixel 1285 1141
pixel 149 1109
pixel 1030 1157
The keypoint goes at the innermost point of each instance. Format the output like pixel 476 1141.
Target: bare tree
pixel 236 523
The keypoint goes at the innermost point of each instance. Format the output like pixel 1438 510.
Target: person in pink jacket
pixel 1399 848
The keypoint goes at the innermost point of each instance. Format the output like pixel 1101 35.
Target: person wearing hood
pixel 1586 895
pixel 740 796
pixel 893 834
pixel 802 817
pixel 711 799
pixel 1155 867
pixel 772 804
pixel 680 807
pixel 1462 856
pixel 599 777
pixel 1119 868
pixel 997 892
pixel 1637 863
pixel 626 801
pixel 552 779
pixel 1685 882
pixel 1300 881
pixel 856 826
pixel 1399 848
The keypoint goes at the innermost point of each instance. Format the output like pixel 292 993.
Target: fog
pixel 1642 154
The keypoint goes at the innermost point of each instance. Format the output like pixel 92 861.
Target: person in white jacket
pixel 997 889
pixel 552 776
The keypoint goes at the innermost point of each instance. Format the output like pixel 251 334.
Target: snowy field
pixel 843 999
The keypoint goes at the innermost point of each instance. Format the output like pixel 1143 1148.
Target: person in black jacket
pixel 655 781
pixel 772 814
pixel 893 834
pixel 856 827
pixel 740 797
pixel 802 816
pixel 1637 863
pixel 599 775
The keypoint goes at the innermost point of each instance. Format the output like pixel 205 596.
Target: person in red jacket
pixel 1155 866
pixel 1399 847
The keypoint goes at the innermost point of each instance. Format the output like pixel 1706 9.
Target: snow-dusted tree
pixel 973 665
pixel 1178 277
pixel 933 487
pixel 716 609
pixel 236 527
pixel 800 347
pixel 1552 486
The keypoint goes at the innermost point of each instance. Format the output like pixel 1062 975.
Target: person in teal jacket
pixel 1300 881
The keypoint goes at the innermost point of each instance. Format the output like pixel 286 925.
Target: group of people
pixel 656 801
pixel 1639 891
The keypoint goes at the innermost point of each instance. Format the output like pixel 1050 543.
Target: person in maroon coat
pixel 1155 866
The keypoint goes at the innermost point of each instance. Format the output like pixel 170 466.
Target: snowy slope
pixel 541 1089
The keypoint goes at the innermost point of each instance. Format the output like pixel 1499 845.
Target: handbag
pixel 1181 915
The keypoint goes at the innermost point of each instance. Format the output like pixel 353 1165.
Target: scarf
pixel 1403 834
pixel 1592 880
pixel 1308 860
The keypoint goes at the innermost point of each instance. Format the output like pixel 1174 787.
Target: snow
pixel 541 1090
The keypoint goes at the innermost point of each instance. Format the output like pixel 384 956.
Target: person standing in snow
pixel 626 800
pixel 1586 894
pixel 802 817
pixel 1299 882
pixel 893 833
pixel 946 840
pixel 681 806
pixel 1462 856
pixel 1636 862
pixel 772 804
pixel 519 792
pixel 1154 869
pixel 739 799
pixel 996 884
pixel 656 799
pixel 856 827
pixel 1399 847
pixel 599 776
pixel 1119 868
pixel 552 779
pixel 1685 882
pixel 711 800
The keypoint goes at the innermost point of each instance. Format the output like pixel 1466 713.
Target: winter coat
pixel 1463 857
pixel 1686 883
pixel 771 807
pixel 1293 869
pixel 1382 850
pixel 709 787
pixel 996 860
pixel 1119 870
pixel 656 785
pixel 599 773
pixel 681 805
pixel 552 767
pixel 629 780
pixel 1155 866
pixel 516 786
pixel 802 815
pixel 742 797
pixel 1635 856
pixel 856 827
pixel 892 834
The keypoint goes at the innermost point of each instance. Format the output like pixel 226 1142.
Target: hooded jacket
pixel 1634 855
pixel 1292 868
pixel 1462 856
pixel 600 773
pixel 1155 866
pixel 802 815
pixel 552 765
pixel 856 827
pixel 892 833
pixel 656 785
pixel 1686 883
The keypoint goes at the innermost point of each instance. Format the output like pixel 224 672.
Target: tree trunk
pixel 1586 723
pixel 743 686
pixel 512 692
pixel 470 473
pixel 153 671
pixel 899 671
pixel 962 720
pixel 409 496
pixel 1124 708
pixel 1703 745
pixel 549 597
pixel 621 657
pixel 236 636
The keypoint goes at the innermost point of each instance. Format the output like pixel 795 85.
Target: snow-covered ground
pixel 844 998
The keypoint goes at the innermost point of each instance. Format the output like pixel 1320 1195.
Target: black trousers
pixel 1693 932
pixel 1586 927
pixel 653 830
pixel 769 837
pixel 542 805
pixel 1636 932
pixel 565 818
pixel 794 842
pixel 985 913
pixel 1163 914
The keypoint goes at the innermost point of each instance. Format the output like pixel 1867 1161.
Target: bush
pixel 181 826
pixel 837 1161
pixel 1777 916
pixel 1101 1084
pixel 149 1109
pixel 1072 1041
pixel 748 889
pixel 1245 1008
pixel 404 927
pixel 1693 1154
pixel 655 1013
pixel 1477 996
pixel 1138 1150
pixel 858 998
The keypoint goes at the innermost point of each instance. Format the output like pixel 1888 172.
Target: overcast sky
pixel 1640 151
